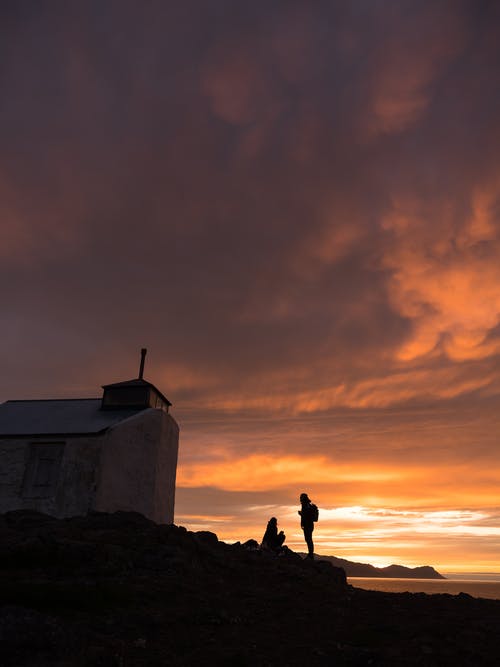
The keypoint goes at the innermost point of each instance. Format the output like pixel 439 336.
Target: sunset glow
pixel 295 207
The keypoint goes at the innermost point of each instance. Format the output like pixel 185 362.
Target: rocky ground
pixel 119 590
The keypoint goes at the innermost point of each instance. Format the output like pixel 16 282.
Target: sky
pixel 295 206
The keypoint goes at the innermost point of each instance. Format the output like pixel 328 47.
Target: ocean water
pixel 485 587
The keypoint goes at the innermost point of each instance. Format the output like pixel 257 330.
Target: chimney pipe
pixel 143 357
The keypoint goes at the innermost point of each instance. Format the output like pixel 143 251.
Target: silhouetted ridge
pixel 118 590
pixel 353 569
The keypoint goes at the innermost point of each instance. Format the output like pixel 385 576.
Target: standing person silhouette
pixel 307 514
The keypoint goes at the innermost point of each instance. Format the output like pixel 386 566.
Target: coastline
pixel 476 588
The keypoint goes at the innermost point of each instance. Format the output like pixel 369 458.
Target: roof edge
pixel 42 400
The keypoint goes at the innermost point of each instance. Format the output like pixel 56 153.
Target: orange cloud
pixel 261 472
pixel 398 386
pixel 446 282
pixel 382 484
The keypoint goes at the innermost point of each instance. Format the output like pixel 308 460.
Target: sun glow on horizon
pixel 378 536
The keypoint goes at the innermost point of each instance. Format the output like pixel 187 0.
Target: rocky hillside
pixel 119 590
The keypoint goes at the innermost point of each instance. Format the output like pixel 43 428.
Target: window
pixel 123 397
pixel 42 469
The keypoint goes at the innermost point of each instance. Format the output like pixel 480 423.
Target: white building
pixel 66 457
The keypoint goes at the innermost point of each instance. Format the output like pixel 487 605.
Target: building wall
pixel 137 466
pixel 132 467
pixel 71 476
pixel 166 469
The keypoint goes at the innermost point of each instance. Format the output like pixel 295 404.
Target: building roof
pixel 59 417
pixel 138 382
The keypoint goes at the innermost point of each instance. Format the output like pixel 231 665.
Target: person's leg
pixel 309 541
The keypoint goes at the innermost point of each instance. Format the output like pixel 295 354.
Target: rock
pixel 206 537
pixel 336 573
pixel 250 545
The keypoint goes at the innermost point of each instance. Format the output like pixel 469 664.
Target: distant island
pixel 353 569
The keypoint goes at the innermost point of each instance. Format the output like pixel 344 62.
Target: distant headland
pixel 353 569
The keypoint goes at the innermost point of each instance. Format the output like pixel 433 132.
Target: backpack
pixel 314 512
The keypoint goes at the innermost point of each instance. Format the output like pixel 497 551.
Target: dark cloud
pixel 259 184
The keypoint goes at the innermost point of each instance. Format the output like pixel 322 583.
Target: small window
pixel 123 397
pixel 42 469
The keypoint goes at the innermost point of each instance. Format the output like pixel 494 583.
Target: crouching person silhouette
pixel 272 540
